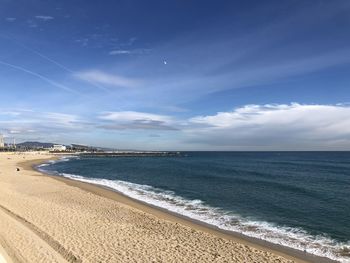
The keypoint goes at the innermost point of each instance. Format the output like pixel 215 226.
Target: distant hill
pixel 35 145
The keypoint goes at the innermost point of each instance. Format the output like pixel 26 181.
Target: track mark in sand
pixel 67 255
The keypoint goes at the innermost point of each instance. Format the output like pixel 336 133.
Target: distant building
pixel 80 147
pixel 2 143
pixel 59 148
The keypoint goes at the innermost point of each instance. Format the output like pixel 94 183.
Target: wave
pixel 50 162
pixel 287 236
pixel 297 238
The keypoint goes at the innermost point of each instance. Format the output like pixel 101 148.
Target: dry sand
pixel 43 219
pixel 4 258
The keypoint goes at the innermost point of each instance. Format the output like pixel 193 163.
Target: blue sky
pixel 177 75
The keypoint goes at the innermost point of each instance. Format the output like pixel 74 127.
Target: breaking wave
pixel 320 245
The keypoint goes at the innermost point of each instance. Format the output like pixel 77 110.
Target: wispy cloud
pixel 119 52
pixel 82 41
pixel 103 78
pixel 9 113
pixel 32 23
pixel 10 19
pixel 133 120
pixel 56 118
pixel 252 127
pixel 194 74
pixel 46 58
pixel 40 76
pixel 133 115
pixel 40 54
pixel 128 52
pixel 130 41
pixel 30 124
pixel 44 18
pixel 200 64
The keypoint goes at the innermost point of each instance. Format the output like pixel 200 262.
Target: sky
pixel 177 75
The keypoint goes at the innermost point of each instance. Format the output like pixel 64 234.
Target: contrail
pixel 51 60
pixel 38 53
pixel 53 83
pixel 46 58
pixel 58 64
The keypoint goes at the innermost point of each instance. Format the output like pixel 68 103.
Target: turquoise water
pixel 296 199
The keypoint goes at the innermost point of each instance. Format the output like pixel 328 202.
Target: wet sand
pixel 54 219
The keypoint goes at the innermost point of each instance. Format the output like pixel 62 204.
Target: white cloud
pixel 277 126
pixel 129 52
pixel 9 113
pixel 119 52
pixel 60 118
pixel 281 114
pixel 14 131
pixel 44 18
pixel 99 77
pixel 252 127
pixel 22 122
pixel 133 115
pixel 123 120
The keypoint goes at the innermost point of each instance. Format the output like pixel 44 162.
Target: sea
pixel 296 199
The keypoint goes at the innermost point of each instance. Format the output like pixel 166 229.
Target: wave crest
pixel 197 209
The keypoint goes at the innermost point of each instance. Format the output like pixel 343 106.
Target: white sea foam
pixel 49 162
pixel 291 237
pixel 43 165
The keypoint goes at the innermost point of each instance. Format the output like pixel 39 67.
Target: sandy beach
pixel 4 258
pixel 48 219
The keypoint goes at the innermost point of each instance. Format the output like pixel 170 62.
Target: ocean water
pixel 296 199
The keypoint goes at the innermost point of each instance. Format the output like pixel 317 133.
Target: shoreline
pixel 106 192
